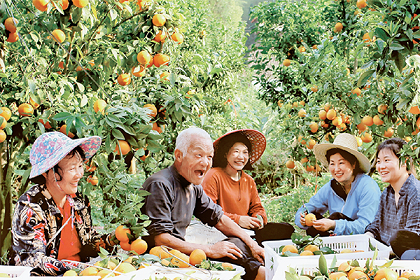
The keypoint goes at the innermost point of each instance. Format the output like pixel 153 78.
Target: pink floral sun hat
pixel 50 148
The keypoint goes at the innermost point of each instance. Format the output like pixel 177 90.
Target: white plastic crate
pixel 275 263
pixel 19 272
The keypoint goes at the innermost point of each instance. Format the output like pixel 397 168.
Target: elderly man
pixel 176 195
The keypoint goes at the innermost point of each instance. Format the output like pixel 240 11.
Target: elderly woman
pixel 52 221
pixel 351 197
pixel 229 186
pixel 397 222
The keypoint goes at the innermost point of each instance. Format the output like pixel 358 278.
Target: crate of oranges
pixel 281 254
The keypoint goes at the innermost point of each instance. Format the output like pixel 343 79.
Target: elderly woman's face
pixel 341 169
pixel 238 156
pixel 71 171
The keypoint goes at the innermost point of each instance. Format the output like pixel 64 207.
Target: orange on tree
pixel 366 137
pixel 47 124
pixel 63 129
pixel 2 135
pixel 311 143
pixel 337 121
pixel 359 141
pixel 389 132
pixel 158 20
pixel 367 120
pixel 41 5
pixel 146 155
pixel 58 35
pixel 304 160
pixel 314 88
pixel 366 38
pixel 65 4
pixel 314 127
pixel 99 106
pixel 361 4
pixel 124 79
pixel 139 246
pixel 361 127
pixel 13 37
pixel 61 65
pixel 177 37
pixel 179 259
pixel 322 114
pixel 92 179
pixel 331 114
pixel 290 164
pixel 152 108
pixel 286 62
pixel 377 120
pixel 159 252
pixel 138 71
pixel 25 109
pixel 3 123
pixel 160 37
pixel 302 49
pixel 125 147
pixel 143 57
pixel 289 248
pixel 309 219
pixel 356 91
pixel 6 113
pixel 197 256
pixel 414 110
pixel 90 168
pixel 338 27
pixel 151 62
pixel 157 128
pixel 382 108
pixel 327 107
pixel 310 168
pixel 10 24
pixel 33 103
pixel 302 113
pixel 302 103
pixel 121 233
pixel 160 59
pixel 324 124
pixel 80 3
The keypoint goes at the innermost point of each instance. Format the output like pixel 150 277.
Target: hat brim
pixel 320 151
pixel 90 146
pixel 257 139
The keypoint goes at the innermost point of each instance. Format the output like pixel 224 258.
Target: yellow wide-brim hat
pixel 346 142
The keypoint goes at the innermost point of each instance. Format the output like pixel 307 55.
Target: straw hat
pixel 346 142
pixel 50 148
pixel 255 137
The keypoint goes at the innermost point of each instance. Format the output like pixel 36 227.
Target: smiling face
pixel 237 157
pixel 71 171
pixel 389 168
pixel 341 169
pixel 195 163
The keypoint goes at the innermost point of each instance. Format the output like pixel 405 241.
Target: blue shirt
pixel 390 218
pixel 361 205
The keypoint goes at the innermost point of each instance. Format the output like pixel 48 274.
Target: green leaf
pixel 323 268
pixel 62 116
pixel 396 46
pixel 364 77
pixel 382 34
pixel 32 85
pixel 118 134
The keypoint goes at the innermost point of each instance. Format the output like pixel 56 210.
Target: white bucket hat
pixel 346 142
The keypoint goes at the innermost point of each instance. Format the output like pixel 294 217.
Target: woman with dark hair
pixel 397 222
pixel 351 197
pixel 52 225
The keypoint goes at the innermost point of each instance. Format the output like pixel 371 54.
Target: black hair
pixel 395 145
pixel 40 179
pixel 347 156
pixel 224 146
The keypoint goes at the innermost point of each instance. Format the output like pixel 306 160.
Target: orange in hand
pixel 309 219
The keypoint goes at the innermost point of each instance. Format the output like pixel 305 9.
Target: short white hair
pixel 183 140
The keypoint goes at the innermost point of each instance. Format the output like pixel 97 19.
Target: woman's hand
pixel 302 219
pixel 324 224
pixel 249 222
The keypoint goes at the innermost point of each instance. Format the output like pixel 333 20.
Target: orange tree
pixel 339 66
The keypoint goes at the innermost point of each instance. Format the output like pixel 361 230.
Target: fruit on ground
pixel 289 248
pixel 25 109
pixel 121 233
pixel 152 108
pixel 139 246
pixel 99 106
pixel 125 147
pixel 309 219
pixel 197 256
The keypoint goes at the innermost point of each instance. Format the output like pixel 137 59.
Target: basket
pixel 275 263
pixel 308 267
pixel 19 272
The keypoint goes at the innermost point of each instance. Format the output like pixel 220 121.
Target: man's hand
pixel 324 224
pixel 224 249
pixel 249 222
pixel 302 219
pixel 257 252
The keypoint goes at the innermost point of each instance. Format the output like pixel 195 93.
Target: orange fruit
pixel 361 127
pixel 367 120
pixel 89 271
pixel 356 91
pixel 322 114
pixel 2 135
pixel 105 273
pixel 324 124
pixel 70 273
pixel 65 4
pixel 286 62
pixel 311 247
pixel 47 125
pixel 25 109
pixel 314 88
pixel 197 256
pixel 414 110
pixel 90 168
pixel 124 79
pixel 93 180
pixel 33 103
pixel 337 275
pixel 377 120
pixel 359 141
pixel 156 128
pixel 302 113
pixel 302 49
pixel 345 267
pixel 310 168
pixel 389 132
pixel 121 233
pixel 78 68
pixel 139 246
pixel 304 160
pixel 331 114
pixel 125 148
pixel 6 113
pixel 41 5
pixel 143 57
pixel 311 144
pixel 80 3
pixel 158 20
pixel 63 130
pixel 309 219
pixel 290 164
pixel 160 37
pixel 61 65
pixel 10 24
pixel 164 76
pixel 302 103
pixel 152 108
pixel 160 59
pixel 386 273
pixel 125 267
pixel 289 248
pixel 306 253
pixel 361 4
pixel 314 127
pixel 227 266
pixel 146 155
pixel 99 106
pixel 13 37
pixel 177 37
pixel 382 108
pixel 337 121
pixel 159 252
pixel 150 62
pixel 58 35
pixel 138 71
pixel 179 259
pixel 366 38
pixel 338 27
pixel 366 137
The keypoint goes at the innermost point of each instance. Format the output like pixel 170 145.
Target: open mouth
pixel 200 173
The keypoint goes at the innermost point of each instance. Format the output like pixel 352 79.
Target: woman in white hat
pixel 351 197
pixel 397 222
pixel 52 221
pixel 233 189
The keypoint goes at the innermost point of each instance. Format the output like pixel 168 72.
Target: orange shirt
pixel 237 198
pixel 70 245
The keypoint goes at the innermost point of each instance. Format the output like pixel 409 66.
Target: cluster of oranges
pixel 308 250
pixel 123 235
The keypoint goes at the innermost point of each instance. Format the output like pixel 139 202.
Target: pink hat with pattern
pixel 51 147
